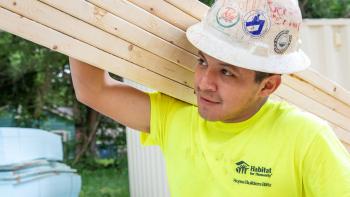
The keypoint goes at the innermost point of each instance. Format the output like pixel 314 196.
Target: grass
pixel 105 182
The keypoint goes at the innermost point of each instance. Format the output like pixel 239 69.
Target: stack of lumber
pixel 145 41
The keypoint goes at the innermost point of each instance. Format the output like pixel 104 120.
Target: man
pixel 237 142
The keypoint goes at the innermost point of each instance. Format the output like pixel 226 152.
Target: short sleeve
pixel 161 105
pixel 326 166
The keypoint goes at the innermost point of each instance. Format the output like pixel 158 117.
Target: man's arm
pixel 96 89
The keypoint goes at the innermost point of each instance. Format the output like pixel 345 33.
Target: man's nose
pixel 208 81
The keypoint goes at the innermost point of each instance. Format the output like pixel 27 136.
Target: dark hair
pixel 260 76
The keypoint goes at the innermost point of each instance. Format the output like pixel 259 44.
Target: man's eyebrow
pixel 234 68
pixel 200 53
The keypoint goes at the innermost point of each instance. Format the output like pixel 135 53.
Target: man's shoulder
pixel 299 125
pixel 295 117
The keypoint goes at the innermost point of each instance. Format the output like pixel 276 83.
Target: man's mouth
pixel 208 101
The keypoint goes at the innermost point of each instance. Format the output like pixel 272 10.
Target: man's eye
pixel 226 72
pixel 201 62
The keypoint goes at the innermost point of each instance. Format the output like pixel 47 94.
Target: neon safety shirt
pixel 279 151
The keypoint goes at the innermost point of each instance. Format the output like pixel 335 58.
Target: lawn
pixel 105 182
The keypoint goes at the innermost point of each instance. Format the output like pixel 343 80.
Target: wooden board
pixel 189 6
pixel 64 44
pixel 73 27
pixel 146 21
pixel 149 46
pixel 119 27
pixel 166 11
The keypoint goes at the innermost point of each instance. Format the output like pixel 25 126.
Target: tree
pixel 325 8
pixel 35 80
pixel 31 78
pixel 208 2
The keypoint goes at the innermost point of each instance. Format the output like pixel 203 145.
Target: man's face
pixel 225 92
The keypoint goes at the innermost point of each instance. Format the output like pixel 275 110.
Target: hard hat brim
pixel 210 44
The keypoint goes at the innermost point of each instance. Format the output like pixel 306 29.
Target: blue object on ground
pixel 54 185
pixel 20 145
pixel 30 165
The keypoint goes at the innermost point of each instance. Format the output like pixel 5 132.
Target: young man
pixel 237 142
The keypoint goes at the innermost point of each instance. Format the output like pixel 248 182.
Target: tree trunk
pixel 302 5
pixel 42 91
pixel 79 127
pixel 92 121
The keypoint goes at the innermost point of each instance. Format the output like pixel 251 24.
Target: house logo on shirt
pixel 249 172
pixel 243 168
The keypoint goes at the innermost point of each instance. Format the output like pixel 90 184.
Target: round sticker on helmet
pixel 282 41
pixel 227 16
pixel 256 23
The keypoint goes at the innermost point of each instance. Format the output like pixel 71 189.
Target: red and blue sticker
pixel 256 23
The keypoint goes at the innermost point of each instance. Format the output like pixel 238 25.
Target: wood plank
pixel 146 21
pixel 310 105
pixel 69 25
pixel 316 94
pixel 342 134
pixel 47 37
pixel 167 12
pixel 189 7
pixel 324 84
pixel 110 23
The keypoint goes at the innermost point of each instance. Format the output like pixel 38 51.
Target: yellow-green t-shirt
pixel 280 151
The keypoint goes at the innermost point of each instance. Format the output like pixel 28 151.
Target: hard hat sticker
pixel 282 41
pixel 227 17
pixel 256 23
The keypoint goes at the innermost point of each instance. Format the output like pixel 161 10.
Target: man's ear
pixel 269 85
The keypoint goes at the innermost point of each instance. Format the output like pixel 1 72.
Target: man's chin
pixel 207 116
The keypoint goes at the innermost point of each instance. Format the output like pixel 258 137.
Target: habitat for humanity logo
pixel 244 168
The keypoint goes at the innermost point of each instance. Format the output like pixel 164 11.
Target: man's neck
pixel 251 111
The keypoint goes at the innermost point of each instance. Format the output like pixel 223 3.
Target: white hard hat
pixel 260 35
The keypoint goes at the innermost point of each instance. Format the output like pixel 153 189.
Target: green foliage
pixel 106 137
pixel 103 177
pixel 325 8
pixel 208 2
pixel 118 163
pixel 35 82
pixel 31 78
